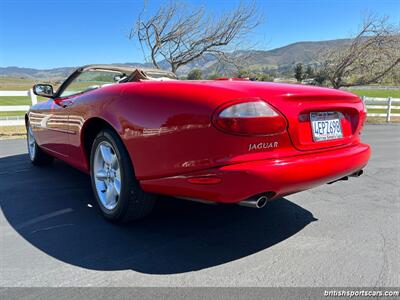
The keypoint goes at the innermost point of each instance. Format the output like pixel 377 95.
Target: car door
pixel 57 122
pixel 50 124
pixel 72 106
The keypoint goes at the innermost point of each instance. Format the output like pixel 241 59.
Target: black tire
pixel 37 156
pixel 133 203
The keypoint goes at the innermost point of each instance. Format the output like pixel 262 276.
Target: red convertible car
pixel 140 133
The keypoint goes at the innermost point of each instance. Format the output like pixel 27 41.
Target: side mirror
pixel 43 90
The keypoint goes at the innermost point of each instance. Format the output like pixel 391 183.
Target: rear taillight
pixel 363 115
pixel 250 118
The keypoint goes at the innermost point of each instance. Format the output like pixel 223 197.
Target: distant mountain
pixel 35 73
pixel 279 60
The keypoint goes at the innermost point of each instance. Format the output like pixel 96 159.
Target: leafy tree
pixel 243 74
pixel 264 77
pixel 309 72
pixel 194 74
pixel 320 77
pixel 214 76
pixel 299 72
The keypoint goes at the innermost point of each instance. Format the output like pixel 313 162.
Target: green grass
pixel 12 100
pixel 383 111
pixel 16 84
pixel 377 93
pixel 19 84
pixel 22 84
pixel 11 113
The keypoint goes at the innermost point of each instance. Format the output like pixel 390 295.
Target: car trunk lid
pixel 298 106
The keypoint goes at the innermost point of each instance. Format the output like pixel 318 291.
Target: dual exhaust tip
pixel 255 202
pixel 261 201
pixel 355 174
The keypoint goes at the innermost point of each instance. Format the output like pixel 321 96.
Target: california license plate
pixel 326 126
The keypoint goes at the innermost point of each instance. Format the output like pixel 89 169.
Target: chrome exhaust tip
pixel 256 202
pixel 357 174
pixel 340 179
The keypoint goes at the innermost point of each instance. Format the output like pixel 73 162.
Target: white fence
pixel 387 104
pixel 15 120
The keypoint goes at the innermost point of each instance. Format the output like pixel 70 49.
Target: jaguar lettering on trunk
pixel 263 146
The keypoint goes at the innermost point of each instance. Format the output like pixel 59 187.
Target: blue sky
pixel 51 33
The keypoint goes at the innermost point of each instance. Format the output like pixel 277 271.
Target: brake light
pixel 250 118
pixel 363 115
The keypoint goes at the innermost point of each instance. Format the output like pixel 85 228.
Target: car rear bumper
pixel 277 177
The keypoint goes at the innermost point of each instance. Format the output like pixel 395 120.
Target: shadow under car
pixel 53 209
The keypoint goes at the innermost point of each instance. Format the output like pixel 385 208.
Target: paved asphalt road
pixel 345 234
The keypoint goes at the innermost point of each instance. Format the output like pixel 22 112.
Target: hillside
pixel 279 59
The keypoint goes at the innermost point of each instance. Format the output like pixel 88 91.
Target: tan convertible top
pixel 130 74
pixel 133 73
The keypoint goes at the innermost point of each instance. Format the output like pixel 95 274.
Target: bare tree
pixel 180 35
pixel 371 55
pixel 235 61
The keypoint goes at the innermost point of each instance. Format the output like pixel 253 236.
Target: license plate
pixel 325 126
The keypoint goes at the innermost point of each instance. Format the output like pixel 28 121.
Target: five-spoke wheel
pixel 107 175
pixel 117 191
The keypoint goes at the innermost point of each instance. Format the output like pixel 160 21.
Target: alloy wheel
pixel 107 175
